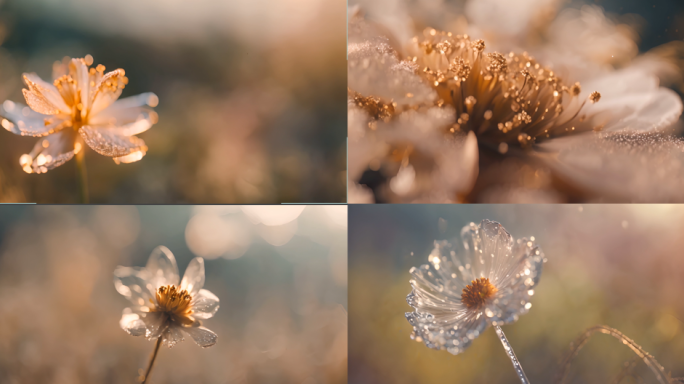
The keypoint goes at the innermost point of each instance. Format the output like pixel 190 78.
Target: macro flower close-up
pixel 481 113
pixel 488 280
pixel 80 107
pixel 163 309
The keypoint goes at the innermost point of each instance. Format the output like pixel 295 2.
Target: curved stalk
pixel 651 362
pixel 511 355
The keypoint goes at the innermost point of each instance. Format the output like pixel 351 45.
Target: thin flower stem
pixel 82 177
pixel 511 355
pixel 154 357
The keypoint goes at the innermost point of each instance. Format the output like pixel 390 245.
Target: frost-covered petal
pixel 107 90
pixel 193 279
pixel 43 97
pixel 49 152
pixel 172 336
pixel 24 121
pixel 621 167
pixel 204 305
pixel 109 142
pixel 134 284
pixel 202 336
pixel 374 68
pixel 453 331
pixel 162 268
pixel 131 323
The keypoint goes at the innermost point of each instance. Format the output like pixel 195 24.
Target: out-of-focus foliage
pixel 282 318
pixel 251 97
pixel 616 265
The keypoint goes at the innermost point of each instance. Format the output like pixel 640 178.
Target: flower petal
pixel 43 97
pixel 134 284
pixel 108 142
pixel 374 68
pixel 107 90
pixel 129 116
pixel 622 166
pixel 162 268
pixel 156 324
pixel 82 77
pixel 131 323
pixel 24 121
pixel 453 331
pixel 202 336
pixel 204 305
pixel 49 152
pixel 193 279
pixel 172 336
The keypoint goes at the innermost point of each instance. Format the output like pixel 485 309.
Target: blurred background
pixel 616 265
pixel 252 97
pixel 280 273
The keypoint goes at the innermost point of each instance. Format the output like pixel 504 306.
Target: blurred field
pixel 282 318
pixel 617 265
pixel 251 97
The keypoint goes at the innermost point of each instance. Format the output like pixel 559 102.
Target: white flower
pixel 415 103
pixel 81 106
pixel 487 279
pixel 162 307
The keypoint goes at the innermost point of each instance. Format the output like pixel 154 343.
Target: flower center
pixel 506 100
pixel 476 294
pixel 173 301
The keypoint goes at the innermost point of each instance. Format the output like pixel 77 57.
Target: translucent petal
pixel 82 78
pixel 134 284
pixel 451 331
pixel 172 336
pixel 131 323
pixel 374 69
pixel 205 304
pixel 156 324
pixel 49 152
pixel 193 279
pixel 43 97
pixel 202 336
pixel 24 121
pixel 108 142
pixel 107 91
pixel 130 158
pixel 162 268
pixel 622 166
pixel 129 116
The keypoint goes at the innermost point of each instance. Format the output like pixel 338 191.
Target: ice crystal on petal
pixel 162 307
pixel 486 278
pixel 81 103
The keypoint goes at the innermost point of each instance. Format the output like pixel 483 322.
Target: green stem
pixel 82 177
pixel 154 357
